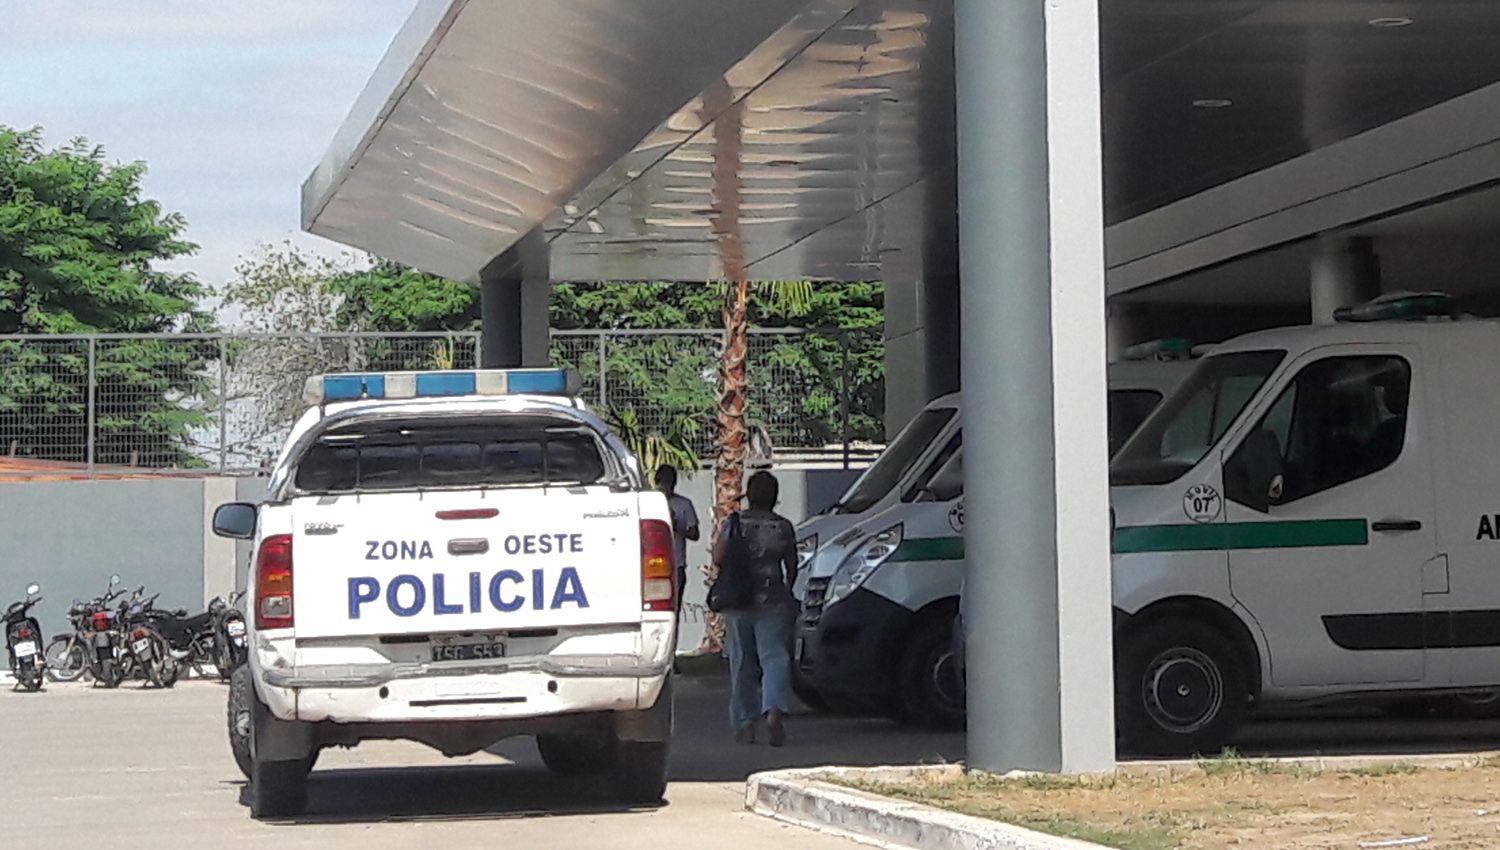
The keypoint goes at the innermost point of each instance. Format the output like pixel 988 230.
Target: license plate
pixel 25 649
pixel 468 650
pixel 235 628
pixel 142 646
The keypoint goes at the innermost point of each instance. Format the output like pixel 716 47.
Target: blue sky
pixel 231 104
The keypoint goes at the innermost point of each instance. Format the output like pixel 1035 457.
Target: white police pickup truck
pixel 455 558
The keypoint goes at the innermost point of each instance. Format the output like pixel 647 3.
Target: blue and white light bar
pixel 353 386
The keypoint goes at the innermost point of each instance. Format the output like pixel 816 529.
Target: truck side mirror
pixel 1253 476
pixel 235 520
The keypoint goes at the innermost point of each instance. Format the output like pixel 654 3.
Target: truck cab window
pixel 1340 420
pixel 456 454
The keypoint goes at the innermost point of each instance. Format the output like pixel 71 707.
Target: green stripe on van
pixel 1295 534
pixel 929 549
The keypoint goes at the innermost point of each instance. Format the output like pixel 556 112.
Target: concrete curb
pixel 806 798
pixel 802 797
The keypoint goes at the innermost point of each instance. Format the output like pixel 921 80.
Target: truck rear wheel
pixel 278 789
pixel 1181 689
pixel 240 719
pixel 576 756
pixel 641 771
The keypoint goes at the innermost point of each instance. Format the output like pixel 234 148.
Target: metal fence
pixel 123 404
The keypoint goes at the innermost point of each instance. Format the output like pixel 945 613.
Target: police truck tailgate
pixel 441 562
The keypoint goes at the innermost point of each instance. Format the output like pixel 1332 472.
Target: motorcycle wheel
pixel 67 659
pixel 110 673
pixel 162 671
pixel 30 680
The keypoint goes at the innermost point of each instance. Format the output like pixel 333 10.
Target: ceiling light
pixel 1212 103
pixel 1392 22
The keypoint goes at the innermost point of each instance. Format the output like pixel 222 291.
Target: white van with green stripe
pixel 1311 516
pixel 882 584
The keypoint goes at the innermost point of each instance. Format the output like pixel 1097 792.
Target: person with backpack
pixel 756 553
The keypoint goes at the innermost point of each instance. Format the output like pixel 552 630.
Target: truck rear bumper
pixel 624 709
pixel 374 675
pixel 512 693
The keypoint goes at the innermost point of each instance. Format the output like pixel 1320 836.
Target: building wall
pixel 70 536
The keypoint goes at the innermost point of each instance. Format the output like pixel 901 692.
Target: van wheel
pixel 929 692
pixel 1181 689
pixel 807 693
pixel 278 789
pixel 576 756
pixel 1472 705
pixel 641 771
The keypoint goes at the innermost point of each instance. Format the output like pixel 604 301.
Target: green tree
pixel 298 296
pixel 80 252
pixel 795 382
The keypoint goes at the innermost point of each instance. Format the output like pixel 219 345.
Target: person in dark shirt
pixel 757 636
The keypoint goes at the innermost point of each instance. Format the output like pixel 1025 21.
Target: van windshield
pixel 1182 430
pixel 895 462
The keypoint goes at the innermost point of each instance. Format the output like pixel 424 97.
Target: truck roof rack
pixel 1401 307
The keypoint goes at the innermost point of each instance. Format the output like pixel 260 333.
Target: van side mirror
pixel 235 520
pixel 1253 476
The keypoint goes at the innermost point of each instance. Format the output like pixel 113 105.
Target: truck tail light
pixel 273 583
pixel 658 576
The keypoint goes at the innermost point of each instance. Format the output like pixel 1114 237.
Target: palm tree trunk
pixel 729 463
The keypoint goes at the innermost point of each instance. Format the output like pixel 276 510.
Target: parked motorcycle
pixel 107 661
pixel 229 635
pixel 190 639
pixel 69 657
pixel 145 651
pixel 23 639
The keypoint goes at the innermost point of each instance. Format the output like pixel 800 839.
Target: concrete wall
pixel 70 536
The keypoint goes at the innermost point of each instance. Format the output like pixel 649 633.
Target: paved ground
pixel 142 762
pixel 139 764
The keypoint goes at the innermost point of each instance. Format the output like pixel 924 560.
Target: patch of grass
pixel 1399 768
pixel 1142 838
pixel 984 795
pixel 1231 763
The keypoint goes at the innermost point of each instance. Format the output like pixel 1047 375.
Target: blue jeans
pixel 759 644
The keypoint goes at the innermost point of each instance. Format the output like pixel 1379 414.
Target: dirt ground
pixel 1236 803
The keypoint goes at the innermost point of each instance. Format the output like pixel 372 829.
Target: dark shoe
pixel 746 735
pixel 778 729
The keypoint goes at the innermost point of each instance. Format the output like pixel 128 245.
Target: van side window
pixel 918 491
pixel 1127 410
pixel 1339 420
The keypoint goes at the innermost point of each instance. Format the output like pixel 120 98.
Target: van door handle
pixel 1396 525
